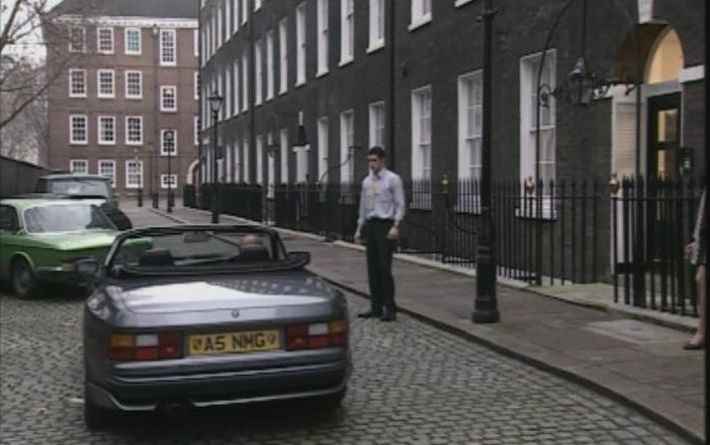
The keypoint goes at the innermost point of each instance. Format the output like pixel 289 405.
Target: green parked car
pixel 41 240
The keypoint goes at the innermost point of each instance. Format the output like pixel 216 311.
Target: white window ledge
pixel 460 3
pixel 282 92
pixel 321 73
pixel 375 46
pixel 419 22
pixel 692 74
pixel 300 84
pixel 347 61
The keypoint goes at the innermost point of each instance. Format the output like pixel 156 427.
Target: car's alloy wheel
pixel 24 283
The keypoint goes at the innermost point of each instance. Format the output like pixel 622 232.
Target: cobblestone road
pixel 412 384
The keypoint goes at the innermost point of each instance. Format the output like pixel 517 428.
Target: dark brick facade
pixel 436 54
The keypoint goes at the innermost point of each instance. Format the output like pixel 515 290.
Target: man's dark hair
pixel 377 151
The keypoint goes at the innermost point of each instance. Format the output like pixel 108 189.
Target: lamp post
pixel 215 104
pixel 154 158
pixel 486 303
pixel 170 142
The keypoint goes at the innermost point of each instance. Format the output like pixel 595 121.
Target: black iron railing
pixel 553 233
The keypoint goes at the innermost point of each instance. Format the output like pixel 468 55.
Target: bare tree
pixel 30 29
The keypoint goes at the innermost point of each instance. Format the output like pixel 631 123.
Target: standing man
pixel 381 212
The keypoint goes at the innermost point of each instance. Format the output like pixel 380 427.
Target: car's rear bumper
pixel 224 388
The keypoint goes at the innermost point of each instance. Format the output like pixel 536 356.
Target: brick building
pixel 329 65
pixel 127 105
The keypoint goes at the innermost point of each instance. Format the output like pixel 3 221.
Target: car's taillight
pixel 317 335
pixel 145 347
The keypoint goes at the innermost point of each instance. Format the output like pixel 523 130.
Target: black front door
pixel 663 169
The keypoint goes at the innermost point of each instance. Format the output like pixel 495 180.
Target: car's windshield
pixel 66 218
pixel 77 186
pixel 187 249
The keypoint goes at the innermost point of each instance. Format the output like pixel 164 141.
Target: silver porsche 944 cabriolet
pixel 205 316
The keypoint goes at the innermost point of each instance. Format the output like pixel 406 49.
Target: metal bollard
pixel 155 200
pixel 140 197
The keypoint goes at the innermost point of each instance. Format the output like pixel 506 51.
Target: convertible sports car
pixel 40 241
pixel 209 316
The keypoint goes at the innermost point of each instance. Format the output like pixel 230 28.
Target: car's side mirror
pixel 300 257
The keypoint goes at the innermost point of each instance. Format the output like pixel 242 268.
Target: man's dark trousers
pixel 379 264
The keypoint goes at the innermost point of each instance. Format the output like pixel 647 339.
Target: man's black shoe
pixel 369 314
pixel 389 315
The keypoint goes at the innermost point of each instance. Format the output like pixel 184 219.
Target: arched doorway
pixel 648 108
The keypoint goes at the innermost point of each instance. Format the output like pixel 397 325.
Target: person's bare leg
pixel 699 337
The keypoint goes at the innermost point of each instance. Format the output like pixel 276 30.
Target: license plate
pixel 234 342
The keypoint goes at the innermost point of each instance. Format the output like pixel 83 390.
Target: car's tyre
pixel 117 217
pixel 95 417
pixel 332 402
pixel 24 282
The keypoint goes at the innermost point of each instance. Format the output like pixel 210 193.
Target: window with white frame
pixel 196 129
pixel 258 72
pixel 168 47
pixel 104 44
pixel 283 142
pixel 134 174
pixel 377 25
pixel 168 142
pixel 245 81
pixel 377 124
pixel 260 159
pixel 203 46
pixel 323 149
pixel 106 80
pixel 236 86
pixel 421 134
pixel 270 168
pixel 228 111
pixel 302 164
pixel 269 65
pixel 133 41
pixel 77 83
pixel 196 42
pixel 197 85
pixel 227 20
pixel 220 19
pixel 79 166
pixel 228 162
pixel 257 5
pixel 347 140
pixel 301 44
pixel 470 125
pixel 107 130
pixel 78 129
pixel 134 130
pixel 245 11
pixel 77 40
pixel 322 37
pixel 213 34
pixel 237 159
pixel 529 70
pixel 220 88
pixel 283 56
pixel 247 171
pixel 235 13
pixel 347 33
pixel 168 98
pixel 168 181
pixel 421 13
pixel 134 85
pixel 107 168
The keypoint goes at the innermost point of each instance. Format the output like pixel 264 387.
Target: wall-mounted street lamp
pixel 215 101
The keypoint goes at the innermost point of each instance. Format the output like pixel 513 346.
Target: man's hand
pixel 358 237
pixel 690 249
pixel 393 233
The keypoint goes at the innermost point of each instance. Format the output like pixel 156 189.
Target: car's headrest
pixel 156 258
pixel 254 253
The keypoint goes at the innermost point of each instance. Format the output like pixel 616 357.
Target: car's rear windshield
pixel 66 218
pixel 182 250
pixel 79 186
